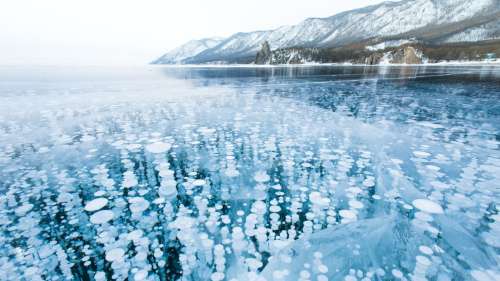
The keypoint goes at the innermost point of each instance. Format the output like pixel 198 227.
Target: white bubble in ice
pixel 96 204
pixel 481 275
pixel 316 198
pixel 423 260
pixel 217 276
pixel 168 190
pixel 425 250
pixel 102 217
pixel 259 207
pixel 428 206
pixel 355 204
pixel 397 273
pixel 159 200
pixel 322 268
pixel 45 251
pixel 138 204
pixel 99 193
pixel 141 275
pixel 134 235
pixel 369 182
pixel 231 173
pixel 350 278
pixel 199 182
pixel 421 154
pixel 158 147
pixel 274 209
pixel 348 214
pixel 23 209
pixel 261 176
pixel 100 276
pixel 183 222
pixel 115 254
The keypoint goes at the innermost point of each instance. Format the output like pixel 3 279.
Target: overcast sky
pixel 126 32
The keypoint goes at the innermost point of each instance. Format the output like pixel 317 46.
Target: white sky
pixel 127 32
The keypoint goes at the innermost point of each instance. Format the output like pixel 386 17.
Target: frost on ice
pixel 223 184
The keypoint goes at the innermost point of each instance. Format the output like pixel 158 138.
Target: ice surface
pixel 278 174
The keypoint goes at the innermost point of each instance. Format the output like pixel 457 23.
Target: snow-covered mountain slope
pixel 387 19
pixel 190 49
pixel 487 31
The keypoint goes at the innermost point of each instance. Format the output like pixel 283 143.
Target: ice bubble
pixel 348 214
pixel 439 185
pixel 96 204
pixel 423 216
pixel 397 273
pixel 99 193
pixel 433 168
pixel 428 206
pixel 261 176
pixel 322 277
pixel 133 146
pixel 421 154
pixel 158 147
pixel 316 198
pixel 183 222
pixel 217 276
pixel 274 209
pixel 425 250
pixel 423 260
pixel 141 275
pixel 231 173
pixel 355 204
pixel 199 182
pixel 167 190
pixel 259 207
pixel 481 275
pixel 45 251
pixel 100 276
pixel 304 274
pixel 115 254
pixel 369 182
pixel 138 204
pixel 102 217
pixel 159 200
pixel 135 235
pixel 280 274
pixel 350 278
pixel 23 209
pixel 322 268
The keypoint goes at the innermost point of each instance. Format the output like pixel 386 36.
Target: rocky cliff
pixel 409 53
pixel 406 55
pixel 264 55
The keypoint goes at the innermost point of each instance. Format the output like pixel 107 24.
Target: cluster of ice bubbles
pixel 222 186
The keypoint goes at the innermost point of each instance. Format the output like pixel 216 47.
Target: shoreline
pixel 448 63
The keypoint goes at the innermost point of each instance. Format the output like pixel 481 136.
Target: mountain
pixel 433 21
pixel 189 49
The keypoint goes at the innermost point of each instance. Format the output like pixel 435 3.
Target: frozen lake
pixel 300 173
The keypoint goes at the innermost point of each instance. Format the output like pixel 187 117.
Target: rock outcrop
pixel 264 55
pixel 374 58
pixel 406 55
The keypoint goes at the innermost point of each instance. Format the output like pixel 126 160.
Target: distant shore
pixel 444 63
